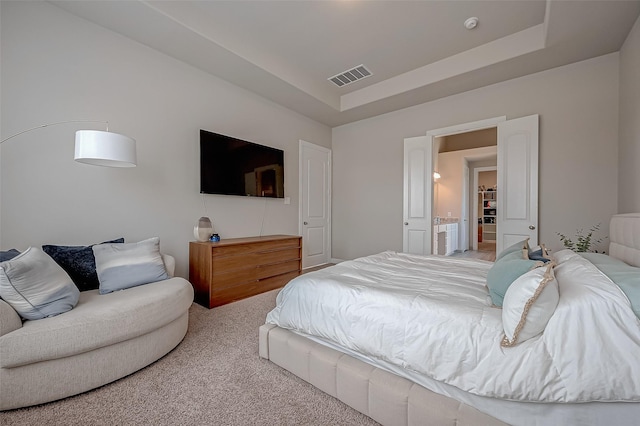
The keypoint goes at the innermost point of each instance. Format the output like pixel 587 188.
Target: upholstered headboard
pixel 624 234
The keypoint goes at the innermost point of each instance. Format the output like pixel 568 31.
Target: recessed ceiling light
pixel 471 23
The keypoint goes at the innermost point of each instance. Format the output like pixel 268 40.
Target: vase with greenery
pixel 584 242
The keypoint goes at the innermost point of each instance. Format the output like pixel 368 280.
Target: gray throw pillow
pixel 8 255
pixel 121 266
pixel 36 286
pixel 78 262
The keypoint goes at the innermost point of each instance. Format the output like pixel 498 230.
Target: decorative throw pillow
pixel 78 262
pixel 528 305
pixel 540 253
pixel 35 286
pixel 517 247
pixel 8 255
pixel 625 276
pixel 505 271
pixel 121 266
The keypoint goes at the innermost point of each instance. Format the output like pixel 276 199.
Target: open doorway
pixel 486 217
pixel 517 165
pixel 465 162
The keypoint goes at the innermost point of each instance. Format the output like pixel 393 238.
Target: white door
pixel 315 204
pixel 517 182
pixel 464 220
pixel 418 195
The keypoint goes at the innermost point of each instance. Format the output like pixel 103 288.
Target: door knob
pixel 406 223
pixel 532 227
pixel 304 223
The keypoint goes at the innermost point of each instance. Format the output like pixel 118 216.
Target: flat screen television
pixel 233 166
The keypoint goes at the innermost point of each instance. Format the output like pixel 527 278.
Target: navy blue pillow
pixel 540 255
pixel 78 262
pixel 8 255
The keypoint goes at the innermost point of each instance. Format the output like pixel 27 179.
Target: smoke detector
pixel 350 76
pixel 471 23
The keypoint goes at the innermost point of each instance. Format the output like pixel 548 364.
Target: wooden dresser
pixel 236 268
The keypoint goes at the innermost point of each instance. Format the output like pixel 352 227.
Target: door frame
pixel 454 130
pixel 463 228
pixel 301 145
pixel 476 172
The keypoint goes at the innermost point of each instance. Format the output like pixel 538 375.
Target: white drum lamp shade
pixel 102 148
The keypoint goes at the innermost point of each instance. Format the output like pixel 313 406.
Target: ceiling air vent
pixel 350 76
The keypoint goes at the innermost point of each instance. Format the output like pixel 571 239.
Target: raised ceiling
pixel 418 51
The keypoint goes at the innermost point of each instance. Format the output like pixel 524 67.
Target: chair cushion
pixel 97 321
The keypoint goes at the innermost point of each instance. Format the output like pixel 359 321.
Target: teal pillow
pixel 505 271
pixel 627 277
pixel 600 259
pixel 517 247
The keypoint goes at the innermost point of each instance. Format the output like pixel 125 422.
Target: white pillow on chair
pixel 120 266
pixel 36 286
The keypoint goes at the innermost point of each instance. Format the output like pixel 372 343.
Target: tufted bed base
pixel 385 397
pixel 393 400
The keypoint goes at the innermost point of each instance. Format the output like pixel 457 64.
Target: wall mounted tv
pixel 232 166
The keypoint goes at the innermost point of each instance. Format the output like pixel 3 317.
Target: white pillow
pixel 528 305
pixel 36 286
pixel 121 265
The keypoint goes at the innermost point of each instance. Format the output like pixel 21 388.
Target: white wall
pixel 58 67
pixel 578 106
pixel 450 186
pixel 629 173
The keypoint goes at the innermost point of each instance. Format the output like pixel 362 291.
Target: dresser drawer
pixel 229 294
pixel 251 260
pixel 244 275
pixel 262 246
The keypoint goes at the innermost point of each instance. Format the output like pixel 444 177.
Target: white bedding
pixel 428 314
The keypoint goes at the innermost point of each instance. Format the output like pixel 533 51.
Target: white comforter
pixel 429 314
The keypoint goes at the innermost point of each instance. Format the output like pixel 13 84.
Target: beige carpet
pixel 214 377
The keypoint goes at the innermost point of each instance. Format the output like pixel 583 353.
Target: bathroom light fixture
pixel 436 176
pixel 96 147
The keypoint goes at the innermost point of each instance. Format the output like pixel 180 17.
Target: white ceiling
pixel 417 50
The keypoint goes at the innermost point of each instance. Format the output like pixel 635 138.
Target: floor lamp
pixel 96 147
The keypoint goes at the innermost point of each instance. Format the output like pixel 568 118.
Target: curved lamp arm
pixel 54 124
pixel 100 148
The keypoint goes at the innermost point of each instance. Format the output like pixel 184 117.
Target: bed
pixel 411 340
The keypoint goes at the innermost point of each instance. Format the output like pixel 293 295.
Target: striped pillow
pixel 121 266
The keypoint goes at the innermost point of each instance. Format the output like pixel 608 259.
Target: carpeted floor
pixel 214 377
